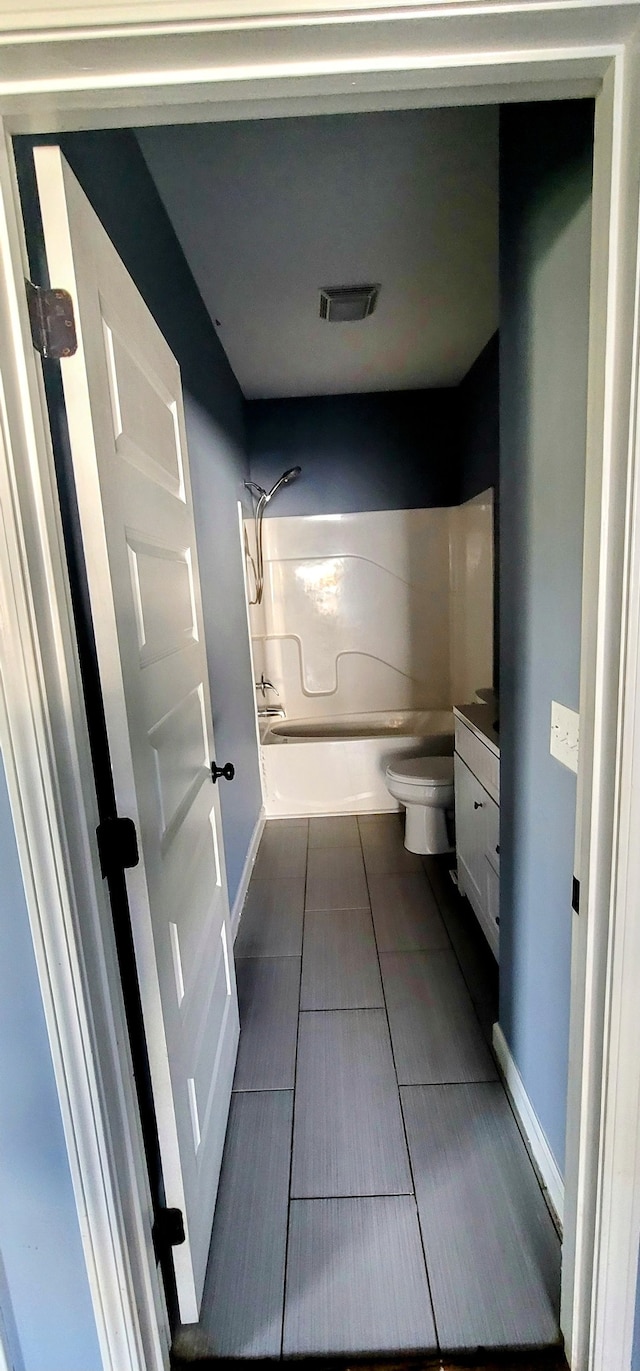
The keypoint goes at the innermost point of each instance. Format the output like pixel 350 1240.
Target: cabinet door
pixel 470 840
pixel 493 909
pixel 492 833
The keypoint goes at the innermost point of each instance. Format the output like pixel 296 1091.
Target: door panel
pixel 126 423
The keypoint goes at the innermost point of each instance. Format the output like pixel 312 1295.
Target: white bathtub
pixel 337 766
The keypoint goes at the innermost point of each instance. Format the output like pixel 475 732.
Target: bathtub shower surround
pixel 371 627
pixel 471 562
pixel 356 611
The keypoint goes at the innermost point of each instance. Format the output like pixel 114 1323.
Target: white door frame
pixel 143 61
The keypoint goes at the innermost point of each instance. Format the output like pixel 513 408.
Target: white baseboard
pixel 247 869
pixel 530 1124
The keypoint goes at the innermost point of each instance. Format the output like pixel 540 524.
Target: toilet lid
pixel 422 770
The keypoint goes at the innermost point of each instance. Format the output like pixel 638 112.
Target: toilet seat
pixel 421 771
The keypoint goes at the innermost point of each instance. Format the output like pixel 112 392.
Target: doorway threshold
pixel 545 1359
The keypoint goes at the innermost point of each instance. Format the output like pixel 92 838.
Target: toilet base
pixel 425 830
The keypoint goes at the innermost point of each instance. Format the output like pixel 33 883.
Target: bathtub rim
pixel 276 732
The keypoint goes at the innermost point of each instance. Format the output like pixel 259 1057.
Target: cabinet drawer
pixel 480 759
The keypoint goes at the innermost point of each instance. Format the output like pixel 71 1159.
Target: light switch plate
pixel 565 735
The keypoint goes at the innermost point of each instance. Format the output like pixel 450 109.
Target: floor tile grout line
pixel 349 1009
pixel 453 949
pixel 269 1090
pixel 435 1085
pixel 500 1079
pixel 341 909
pixel 384 1195
pixel 404 1126
pixel 293 1109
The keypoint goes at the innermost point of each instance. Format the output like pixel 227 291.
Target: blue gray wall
pixel 477 401
pixel 390 450
pixel 478 409
pixel 545 190
pixel 387 450
pixel 45 1303
pixel 114 175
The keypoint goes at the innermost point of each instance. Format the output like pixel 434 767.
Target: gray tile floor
pixel 376 1196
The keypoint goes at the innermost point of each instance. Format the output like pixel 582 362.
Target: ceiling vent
pixel 347 304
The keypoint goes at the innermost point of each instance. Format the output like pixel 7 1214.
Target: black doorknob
pixel 228 771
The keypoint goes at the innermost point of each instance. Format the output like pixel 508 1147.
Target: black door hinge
pixel 575 895
pixel 53 325
pixel 168 1230
pixel 117 845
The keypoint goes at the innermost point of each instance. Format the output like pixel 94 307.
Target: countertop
pixel 481 720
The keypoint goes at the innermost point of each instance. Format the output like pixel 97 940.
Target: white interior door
pixel 125 413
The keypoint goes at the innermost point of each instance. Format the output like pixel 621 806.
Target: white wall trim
pixel 407 58
pixel 598 1305
pixel 530 1124
pixel 446 54
pixel 617 1228
pixel 247 870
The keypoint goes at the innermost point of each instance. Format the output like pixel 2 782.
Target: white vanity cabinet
pixel 477 807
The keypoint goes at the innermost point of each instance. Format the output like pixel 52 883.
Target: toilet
pixel 425 786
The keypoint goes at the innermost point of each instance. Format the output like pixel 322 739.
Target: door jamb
pixel 44 734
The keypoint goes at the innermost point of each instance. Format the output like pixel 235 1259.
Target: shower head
pixel 284 480
pixel 262 498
